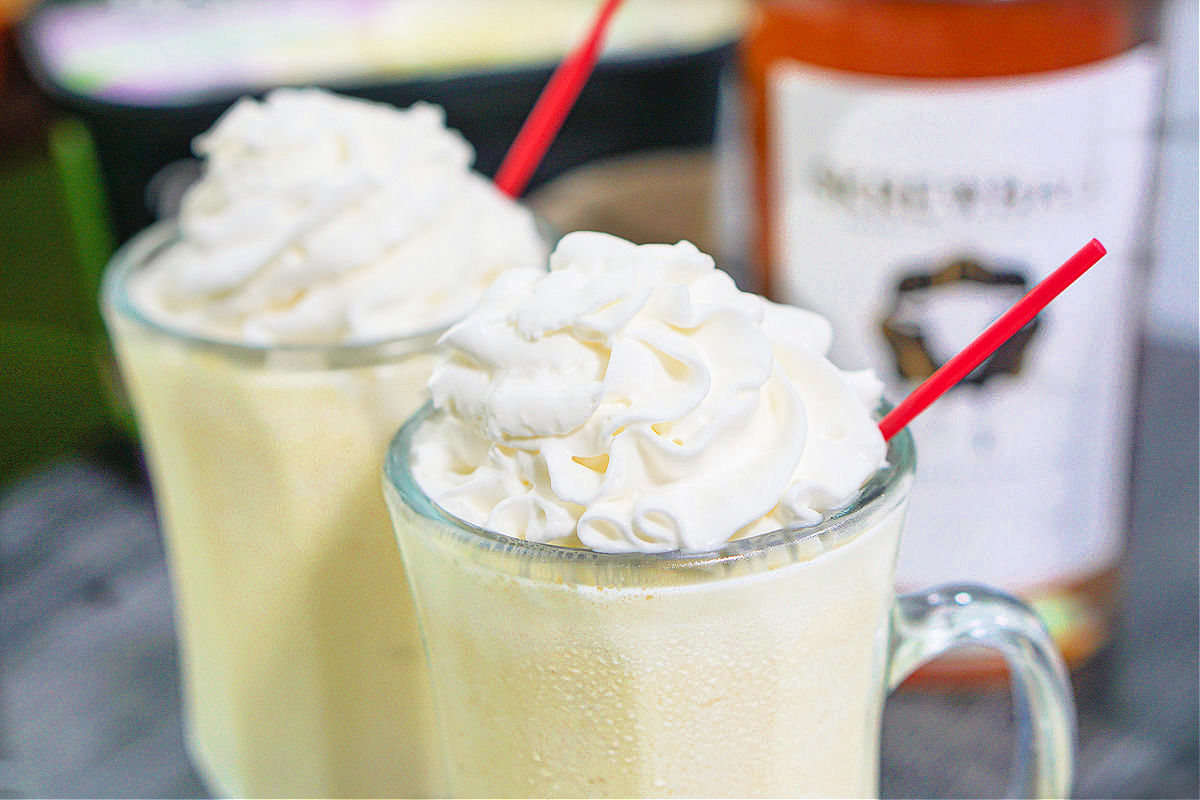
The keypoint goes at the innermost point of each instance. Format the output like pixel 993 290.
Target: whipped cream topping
pixel 632 399
pixel 327 219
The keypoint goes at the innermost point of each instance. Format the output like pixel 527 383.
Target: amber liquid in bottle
pixel 932 39
pixel 921 39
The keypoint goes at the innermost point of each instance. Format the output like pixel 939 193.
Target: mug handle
pixel 928 624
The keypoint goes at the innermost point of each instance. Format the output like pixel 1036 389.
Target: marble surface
pixel 90 703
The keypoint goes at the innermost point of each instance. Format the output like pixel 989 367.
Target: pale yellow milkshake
pixel 632 401
pixel 659 680
pixel 651 534
pixel 271 342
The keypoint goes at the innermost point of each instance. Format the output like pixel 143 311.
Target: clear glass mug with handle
pixel 759 669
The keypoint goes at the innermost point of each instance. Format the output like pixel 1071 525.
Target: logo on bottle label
pixel 925 295
pixel 913 213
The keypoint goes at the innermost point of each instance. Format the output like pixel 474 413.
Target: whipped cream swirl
pixel 326 219
pixel 632 399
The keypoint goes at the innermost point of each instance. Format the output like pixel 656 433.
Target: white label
pixel 911 213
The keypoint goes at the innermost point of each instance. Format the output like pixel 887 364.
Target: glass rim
pixel 883 489
pixel 137 253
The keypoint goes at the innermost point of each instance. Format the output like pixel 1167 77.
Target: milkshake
pixel 271 341
pixel 651 533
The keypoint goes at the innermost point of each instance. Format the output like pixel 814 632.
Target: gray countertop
pixel 90 701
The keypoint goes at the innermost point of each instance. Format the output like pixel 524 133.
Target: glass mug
pixel 300 656
pixel 757 669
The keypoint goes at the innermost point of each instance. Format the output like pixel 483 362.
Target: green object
pixel 84 203
pixel 93 242
pixel 55 241
pixel 52 397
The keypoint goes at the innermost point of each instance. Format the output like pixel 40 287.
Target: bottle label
pixel 912 213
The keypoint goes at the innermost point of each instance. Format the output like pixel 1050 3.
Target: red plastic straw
pixel 995 335
pixel 552 107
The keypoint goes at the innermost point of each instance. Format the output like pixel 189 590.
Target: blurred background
pixel 99 102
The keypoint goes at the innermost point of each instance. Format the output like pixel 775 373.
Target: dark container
pixel 631 103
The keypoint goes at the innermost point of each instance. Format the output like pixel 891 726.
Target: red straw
pixel 552 108
pixel 996 334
